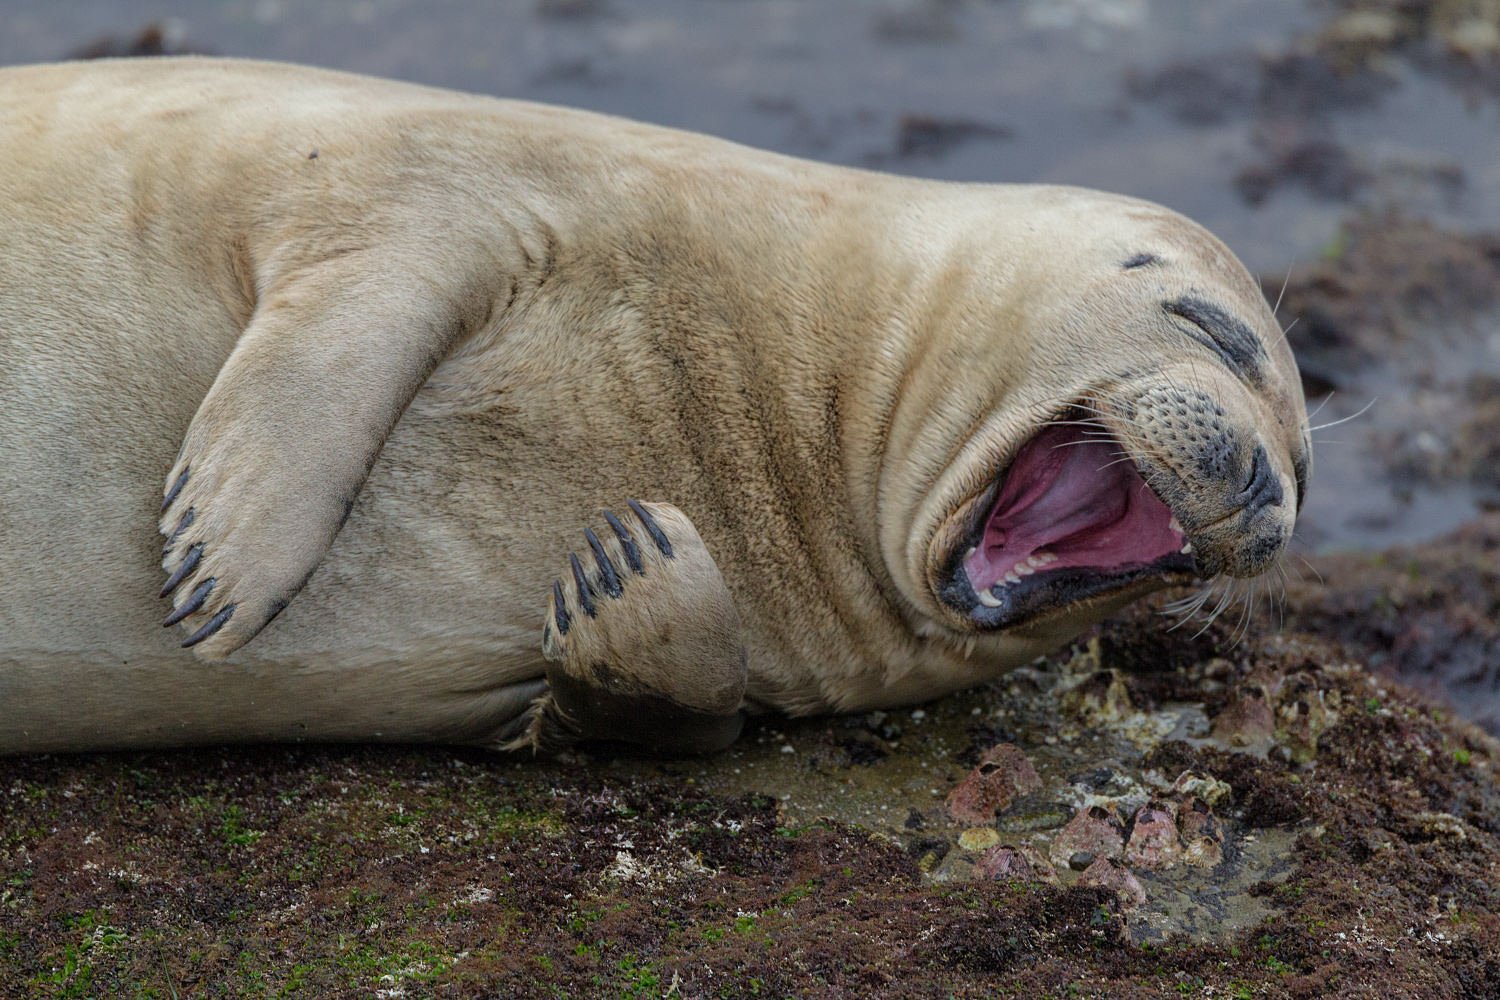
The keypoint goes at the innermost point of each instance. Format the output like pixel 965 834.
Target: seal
pixel 388 366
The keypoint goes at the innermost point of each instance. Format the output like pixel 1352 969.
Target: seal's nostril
pixel 1263 488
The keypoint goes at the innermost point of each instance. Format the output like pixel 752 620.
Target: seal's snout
pixel 1249 539
pixel 1083 514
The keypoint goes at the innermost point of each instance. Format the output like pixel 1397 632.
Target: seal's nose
pixel 1264 522
pixel 1263 488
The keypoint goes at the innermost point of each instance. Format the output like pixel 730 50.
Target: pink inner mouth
pixel 1070 500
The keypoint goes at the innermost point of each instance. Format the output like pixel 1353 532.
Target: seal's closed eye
pixel 1233 341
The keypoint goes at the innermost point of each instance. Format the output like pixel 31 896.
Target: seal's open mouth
pixel 1072 520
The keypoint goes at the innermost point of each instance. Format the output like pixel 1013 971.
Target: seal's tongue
pixel 1071 500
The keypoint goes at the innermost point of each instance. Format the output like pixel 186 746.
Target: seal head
pixel 1155 434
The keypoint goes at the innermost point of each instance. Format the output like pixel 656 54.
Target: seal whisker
pixel 1187 608
pixel 1353 416
pixel 1088 407
pixel 1278 596
pixel 1075 444
pixel 1226 601
pixel 1081 422
pixel 1247 611
pixel 1319 408
pixel 1284 282
pixel 1310 566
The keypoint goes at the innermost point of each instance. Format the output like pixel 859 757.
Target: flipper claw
pixel 652 528
pixel 188 564
pixel 176 489
pixel 585 594
pixel 560 609
pixel 608 578
pixel 213 625
pixel 659 665
pixel 627 543
pixel 193 603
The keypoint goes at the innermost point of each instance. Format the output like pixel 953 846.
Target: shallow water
pixel 1164 99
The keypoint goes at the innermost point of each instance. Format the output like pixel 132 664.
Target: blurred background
pixel 1347 150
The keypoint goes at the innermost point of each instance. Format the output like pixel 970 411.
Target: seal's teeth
pixel 1176 525
pixel 969 554
pixel 1187 548
pixel 1012 578
pixel 989 600
pixel 1025 568
pixel 1040 559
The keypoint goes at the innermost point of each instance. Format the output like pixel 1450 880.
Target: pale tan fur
pixel 276 276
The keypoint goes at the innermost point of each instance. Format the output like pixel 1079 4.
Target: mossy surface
pixel 1372 855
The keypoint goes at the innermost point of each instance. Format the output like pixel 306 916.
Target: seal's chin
pixel 1072 520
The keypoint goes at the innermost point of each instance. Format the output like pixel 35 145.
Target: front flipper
pixel 282 443
pixel 643 643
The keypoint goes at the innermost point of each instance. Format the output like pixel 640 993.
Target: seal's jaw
pixel 1071 521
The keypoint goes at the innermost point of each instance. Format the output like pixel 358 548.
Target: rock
pixel 1248 720
pixel 1003 774
pixel 1107 873
pixel 1153 842
pixel 1301 717
pixel 977 838
pixel 1098 699
pixel 1201 833
pixel 1022 864
pixel 1205 786
pixel 1096 830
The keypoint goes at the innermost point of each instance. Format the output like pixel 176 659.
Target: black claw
pixel 560 609
pixel 176 489
pixel 188 564
pixel 585 595
pixel 214 624
pixel 611 579
pixel 193 603
pixel 652 528
pixel 182 525
pixel 627 541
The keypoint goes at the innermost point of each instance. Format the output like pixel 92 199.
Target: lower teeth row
pixel 1028 566
pixel 1034 562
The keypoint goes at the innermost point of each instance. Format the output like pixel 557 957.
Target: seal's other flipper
pixel 281 445
pixel 642 641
